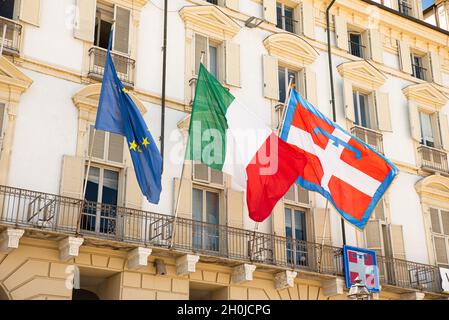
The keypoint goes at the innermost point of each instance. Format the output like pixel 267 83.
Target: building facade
pixel 391 77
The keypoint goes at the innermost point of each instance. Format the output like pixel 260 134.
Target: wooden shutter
pixel 98 141
pixel 72 177
pixel 133 194
pixel 435 220
pixel 308 20
pixel 397 241
pixel 435 67
pixel 379 210
pixel 404 57
pixel 85 22
pixel 440 249
pixel 373 235
pixel 200 47
pixel 115 148
pixel 278 219
pixel 310 82
pixel 269 11
pixel 30 11
pixel 122 18
pixel 415 126
pixel 383 111
pixel 394 4
pixel 200 172
pixel 185 200
pixel 376 45
pixel 235 202
pixel 445 221
pixel 270 77
pixel 232 53
pixel 417 9
pixel 348 99
pixel 341 33
pixel 233 4
pixel 444 130
pixel 2 121
pixel 319 218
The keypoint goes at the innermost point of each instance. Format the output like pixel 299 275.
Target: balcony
pixel 371 137
pixel 48 213
pixel 124 66
pixel 13 34
pixel 433 159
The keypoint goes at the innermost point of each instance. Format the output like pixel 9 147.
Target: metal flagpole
pixel 181 179
pixel 326 213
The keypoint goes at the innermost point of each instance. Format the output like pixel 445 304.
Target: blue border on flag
pixel 346 266
pixel 360 224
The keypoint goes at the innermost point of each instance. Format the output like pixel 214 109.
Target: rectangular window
pixel 9 9
pixel 404 7
pixel 418 70
pixel 356 47
pixel 211 54
pixel 296 235
pixel 206 217
pixel 427 129
pixel 361 110
pixel 284 76
pixel 285 18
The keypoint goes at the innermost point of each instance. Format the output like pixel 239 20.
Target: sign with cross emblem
pixel 361 263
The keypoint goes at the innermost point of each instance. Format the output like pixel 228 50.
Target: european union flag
pixel 118 113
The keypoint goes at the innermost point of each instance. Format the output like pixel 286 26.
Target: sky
pixel 426 3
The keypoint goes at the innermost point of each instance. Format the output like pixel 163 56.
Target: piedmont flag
pixel 345 170
pixel 118 113
pixel 226 136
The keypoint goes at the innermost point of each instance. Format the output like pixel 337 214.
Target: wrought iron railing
pixel 433 159
pixel 53 213
pixel 286 23
pixel 356 49
pixel 13 34
pixel 124 65
pixel 371 137
pixel 419 72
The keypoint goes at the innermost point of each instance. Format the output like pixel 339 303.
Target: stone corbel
pixel 186 264
pixel 138 258
pixel 243 273
pixel 69 248
pixel 284 279
pixel 9 239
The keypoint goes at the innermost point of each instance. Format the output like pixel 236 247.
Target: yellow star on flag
pixel 124 90
pixel 133 146
pixel 138 149
pixel 145 142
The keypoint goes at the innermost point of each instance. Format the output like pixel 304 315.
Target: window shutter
pixel 232 53
pixel 270 77
pixel 341 33
pixel 383 111
pixel 435 66
pixel 308 20
pixel 279 220
pixel 200 172
pixel 445 221
pixel 440 250
pixel 233 4
pixel 303 194
pixel 435 220
pixel 185 200
pixel 417 9
pixel 394 4
pixel 30 11
pixel 115 150
pixel 348 98
pixel 310 81
pixel 379 210
pixel 216 176
pixel 133 194
pixel 397 241
pixel 99 141
pixel 319 218
pixel 404 57
pixel 2 122
pixel 235 202
pixel 415 126
pixel 200 47
pixel 269 11
pixel 121 33
pixel 85 20
pixel 373 234
pixel 376 45
pixel 444 130
pixel 72 177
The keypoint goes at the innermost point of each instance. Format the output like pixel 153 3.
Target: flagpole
pixel 326 213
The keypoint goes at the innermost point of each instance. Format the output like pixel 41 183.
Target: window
pixel 418 70
pixel 404 7
pixel 427 129
pixel 107 146
pixel 206 217
pixel 211 52
pixel 296 234
pixel 356 47
pixel 285 19
pixel 362 113
pixel 440 235
pixel 9 9
pixel 103 24
pixel 284 76
pixel 203 173
pixel 102 188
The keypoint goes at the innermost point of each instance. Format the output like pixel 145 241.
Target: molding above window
pixel 86 100
pixel 130 4
pixel 433 187
pixel 426 95
pixel 12 80
pixel 209 20
pixel 291 49
pixel 362 72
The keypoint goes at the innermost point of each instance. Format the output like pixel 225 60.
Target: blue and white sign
pixel 361 263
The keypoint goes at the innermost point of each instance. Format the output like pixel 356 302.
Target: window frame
pixel 361 45
pixel 286 71
pixel 435 130
pixel 420 66
pixel 370 109
pixel 210 42
pixel 283 19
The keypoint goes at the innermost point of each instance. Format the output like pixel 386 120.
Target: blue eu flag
pixel 118 113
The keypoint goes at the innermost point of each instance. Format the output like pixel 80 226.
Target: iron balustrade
pixel 356 49
pixel 419 72
pixel 404 7
pixel 433 159
pixel 124 65
pixel 286 23
pixel 371 137
pixel 13 34
pixel 52 213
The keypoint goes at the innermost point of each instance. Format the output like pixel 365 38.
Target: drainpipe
pixel 164 80
pixel 331 76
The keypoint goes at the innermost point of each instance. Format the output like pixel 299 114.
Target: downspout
pixel 164 80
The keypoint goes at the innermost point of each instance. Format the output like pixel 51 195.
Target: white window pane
pixel 426 127
pixel 213 61
pixel 282 86
pixel 197 205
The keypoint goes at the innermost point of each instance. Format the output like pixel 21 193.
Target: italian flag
pixel 226 136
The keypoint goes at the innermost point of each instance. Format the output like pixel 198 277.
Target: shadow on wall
pixel 3 294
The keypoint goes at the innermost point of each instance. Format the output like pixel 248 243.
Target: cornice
pixel 362 72
pixel 426 94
